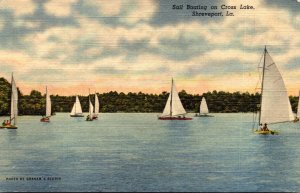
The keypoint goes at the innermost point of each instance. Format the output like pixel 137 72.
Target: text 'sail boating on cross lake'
pixel 211 11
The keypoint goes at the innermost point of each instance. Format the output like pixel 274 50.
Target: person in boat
pixel 88 118
pixel 4 123
pixel 7 123
pixel 265 128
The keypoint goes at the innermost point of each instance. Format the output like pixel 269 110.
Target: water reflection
pixel 12 135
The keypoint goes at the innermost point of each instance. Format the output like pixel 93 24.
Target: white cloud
pixel 42 46
pixel 20 7
pixel 149 71
pixel 26 24
pixel 59 8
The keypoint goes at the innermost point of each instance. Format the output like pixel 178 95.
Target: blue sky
pixel 138 45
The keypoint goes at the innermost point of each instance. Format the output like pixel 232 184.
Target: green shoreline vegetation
pixel 217 101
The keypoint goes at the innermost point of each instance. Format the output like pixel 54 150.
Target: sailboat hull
pixel 89 119
pixel 197 115
pixel 8 127
pixel 47 120
pixel 272 132
pixel 77 115
pixel 174 118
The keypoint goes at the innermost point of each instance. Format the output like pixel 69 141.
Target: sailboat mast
pixel 90 103
pixel 200 106
pixel 46 101
pixel 11 98
pixel 298 109
pixel 75 103
pixel 171 98
pixel 262 84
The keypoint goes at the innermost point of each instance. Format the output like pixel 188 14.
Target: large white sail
pixel 76 107
pixel 14 102
pixel 174 106
pixel 48 104
pixel 91 108
pixel 275 103
pixel 203 106
pixel 166 111
pixel 97 106
pixel 298 109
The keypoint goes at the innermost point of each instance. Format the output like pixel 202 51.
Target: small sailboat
pixel 298 110
pixel 76 110
pixel 91 111
pixel 203 109
pixel 47 116
pixel 12 122
pixel 174 109
pixel 96 110
pixel 275 106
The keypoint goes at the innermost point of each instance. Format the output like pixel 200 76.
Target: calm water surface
pixel 137 152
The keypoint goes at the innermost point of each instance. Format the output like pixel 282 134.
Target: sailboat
pixel 76 110
pixel 275 106
pixel 174 109
pixel 96 110
pixel 91 111
pixel 47 116
pixel 203 109
pixel 11 123
pixel 298 110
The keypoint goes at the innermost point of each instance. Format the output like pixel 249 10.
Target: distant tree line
pixel 217 101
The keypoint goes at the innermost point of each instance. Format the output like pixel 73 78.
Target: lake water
pixel 137 152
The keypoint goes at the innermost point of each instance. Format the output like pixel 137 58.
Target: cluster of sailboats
pixel 93 112
pixel 174 109
pixel 274 107
pixel 75 112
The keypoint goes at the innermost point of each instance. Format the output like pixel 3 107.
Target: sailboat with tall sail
pixel 76 110
pixel 173 109
pixel 91 110
pixel 275 106
pixel 97 106
pixel 298 110
pixel 12 122
pixel 47 116
pixel 203 112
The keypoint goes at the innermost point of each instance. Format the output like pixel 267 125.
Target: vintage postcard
pixel 149 95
